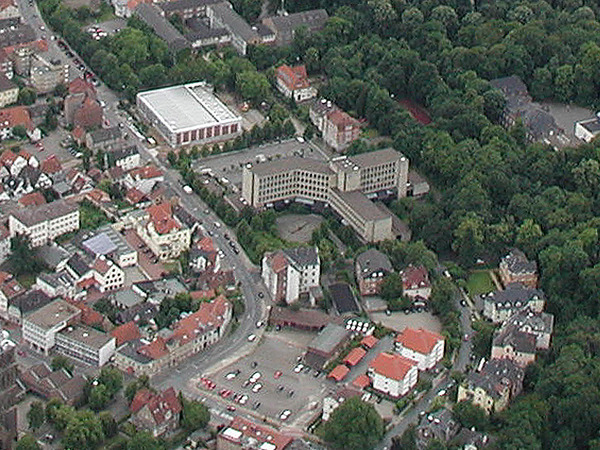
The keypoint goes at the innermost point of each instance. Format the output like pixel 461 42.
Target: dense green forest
pixel 493 190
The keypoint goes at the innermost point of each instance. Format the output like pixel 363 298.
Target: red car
pixel 277 374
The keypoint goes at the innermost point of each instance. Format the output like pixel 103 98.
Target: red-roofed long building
pixel 393 374
pixel 245 435
pixel 422 346
pixel 163 233
pixel 293 82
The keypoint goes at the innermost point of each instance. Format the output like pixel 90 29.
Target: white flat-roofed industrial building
pixel 189 113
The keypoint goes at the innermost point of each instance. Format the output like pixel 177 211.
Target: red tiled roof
pixel 259 433
pixel 162 407
pixel 197 295
pixel 340 119
pixel 78 133
pixel 209 315
pixel 161 216
pixel 339 372
pixel 142 397
pixel 155 349
pixel 369 341
pixel 421 341
pixel 87 283
pixel 362 381
pixel 206 244
pixel 391 365
pixel 79 86
pixel 355 356
pixel 293 77
pixel 51 165
pixel 17 115
pixel 127 332
pixel 101 265
pixel 278 262
pixel 134 196
pixel 6 3
pixel 89 316
pixel 415 277
pixel 7 158
pixel 32 199
pixel 147 172
pixel 98 196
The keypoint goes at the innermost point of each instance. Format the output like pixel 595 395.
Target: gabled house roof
pixel 210 315
pixel 415 277
pixel 32 199
pixel 391 366
pixel 293 77
pixel 421 340
pixel 16 115
pixel 51 165
pixel 163 406
pixel 161 216
pixel 373 261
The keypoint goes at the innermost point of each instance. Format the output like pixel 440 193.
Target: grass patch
pixel 26 280
pixel 480 282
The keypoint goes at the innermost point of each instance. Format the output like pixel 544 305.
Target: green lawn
pixel 480 282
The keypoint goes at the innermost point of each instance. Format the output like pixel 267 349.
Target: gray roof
pixel 361 205
pixel 127 298
pixel 495 376
pixel 234 22
pixel 130 350
pixel 22 34
pixel 33 215
pixel 303 256
pixel 510 86
pixel 151 15
pixel 86 335
pixel 263 30
pixel 105 134
pixel 531 322
pixel 30 301
pixel 283 165
pixel 373 261
pixel 53 313
pixel 514 296
pixel 592 125
pixel 342 298
pixel 140 312
pixel 312 20
pixel 123 152
pixel 376 158
pixel 329 338
pixel 182 5
pixel 437 425
pixel 52 255
pixel 512 337
pixel 201 31
pixel 78 265
pixel 5 83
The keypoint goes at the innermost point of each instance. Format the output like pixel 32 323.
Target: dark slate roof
pixel 182 5
pixel 201 31
pixel 303 256
pixel 30 301
pixel 512 85
pixel 373 261
pixel 263 30
pixel 5 83
pixel 514 296
pixel 517 262
pixel 343 298
pixel 130 350
pixel 313 19
pixel 439 425
pixel 22 34
pixel 140 312
pixel 151 15
pixel 521 342
pixel 184 216
pixel 123 152
pixel 105 134
pixel 495 376
pixel 531 322
pixel 236 24
pixel 78 265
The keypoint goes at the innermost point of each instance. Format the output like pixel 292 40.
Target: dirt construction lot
pixel 298 227
pixel 281 388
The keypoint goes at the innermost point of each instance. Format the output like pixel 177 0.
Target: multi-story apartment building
pixel 293 83
pixel 85 344
pixel 41 326
pixel 9 91
pixel 337 128
pixel 515 267
pixel 43 223
pixel 163 233
pixel 291 272
pixel 371 268
pixel 127 158
pixel 499 306
pixel 422 346
pixel 345 183
pixel 392 374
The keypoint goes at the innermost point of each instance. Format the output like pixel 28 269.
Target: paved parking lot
pixel 298 227
pixel 154 271
pixel 300 393
pixel 398 321
pixel 230 165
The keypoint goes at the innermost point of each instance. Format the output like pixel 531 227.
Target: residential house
pixel 51 165
pixel 108 275
pixel 517 268
pixel 9 91
pixel 285 26
pixel 242 434
pixel 152 16
pixel 163 233
pixel 190 335
pixel 421 346
pixel 157 413
pixel 415 282
pixel 9 289
pixel 499 306
pixel 293 83
pixel 587 129
pixel 41 380
pixel 17 116
pixel 18 36
pixel 289 273
pixel 4 243
pixel 541 325
pixel 155 291
pixel 45 75
pixel 42 224
pixel 103 139
pixel 515 345
pixel 59 284
pixel 393 374
pixel 439 426
pixel 204 257
pixel 81 106
pixel 340 130
pixel 127 332
pixel 127 158
pixel 41 326
pixel 370 268
pixel 492 388
pixel 6 65
pixel 222 15
pixel 144 178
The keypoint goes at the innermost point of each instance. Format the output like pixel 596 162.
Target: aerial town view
pixel 300 225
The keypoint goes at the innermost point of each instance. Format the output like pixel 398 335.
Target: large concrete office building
pixel 189 113
pixel 346 183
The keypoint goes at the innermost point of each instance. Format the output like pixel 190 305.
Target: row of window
pixel 203 133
